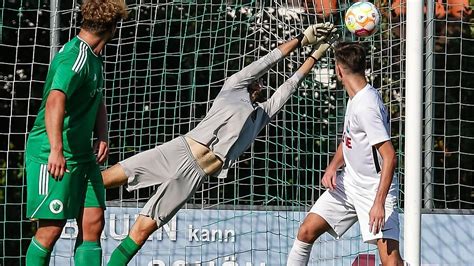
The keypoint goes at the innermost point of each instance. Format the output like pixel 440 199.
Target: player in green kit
pixel 63 175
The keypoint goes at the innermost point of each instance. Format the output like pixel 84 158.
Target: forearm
pixel 54 118
pixel 101 128
pixel 338 159
pixel 388 167
pixel 274 104
pixel 255 70
pixel 258 68
pixel 288 47
pixel 284 92
pixel 386 177
pixel 306 67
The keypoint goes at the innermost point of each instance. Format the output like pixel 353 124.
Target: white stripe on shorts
pixel 40 180
pixel 43 180
pixel 46 180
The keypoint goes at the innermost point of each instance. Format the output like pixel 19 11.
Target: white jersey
pixel 365 124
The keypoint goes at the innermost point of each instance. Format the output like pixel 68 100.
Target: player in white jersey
pixel 365 190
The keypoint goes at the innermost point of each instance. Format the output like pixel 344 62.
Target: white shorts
pixel 342 207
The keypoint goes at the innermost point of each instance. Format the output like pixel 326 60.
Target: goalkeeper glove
pixel 320 49
pixel 315 34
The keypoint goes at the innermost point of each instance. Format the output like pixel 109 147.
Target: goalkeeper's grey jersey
pixel 233 122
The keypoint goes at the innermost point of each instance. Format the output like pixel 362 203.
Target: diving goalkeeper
pixel 229 128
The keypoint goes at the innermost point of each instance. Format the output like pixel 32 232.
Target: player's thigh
pixel 174 193
pixel 91 220
pixel 337 210
pixel 48 198
pixel 95 190
pixel 114 176
pixel 154 166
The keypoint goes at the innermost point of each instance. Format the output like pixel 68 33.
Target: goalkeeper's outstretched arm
pixel 252 72
pixel 284 92
pixel 312 35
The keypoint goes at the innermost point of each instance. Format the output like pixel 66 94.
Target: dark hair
pixel 352 56
pixel 251 86
pixel 99 16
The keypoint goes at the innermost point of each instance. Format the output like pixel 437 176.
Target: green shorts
pixel 59 200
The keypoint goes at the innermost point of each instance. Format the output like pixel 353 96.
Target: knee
pixel 107 178
pixel 142 229
pixel 48 235
pixel 306 234
pixel 92 226
pixel 114 176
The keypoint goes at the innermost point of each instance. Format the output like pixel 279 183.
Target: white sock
pixel 299 254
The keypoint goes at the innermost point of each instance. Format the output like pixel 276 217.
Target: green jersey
pixel 77 71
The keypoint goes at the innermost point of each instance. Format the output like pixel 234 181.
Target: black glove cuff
pixel 300 38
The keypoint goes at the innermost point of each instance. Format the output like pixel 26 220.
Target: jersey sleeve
pixel 274 104
pixel 372 121
pixel 67 77
pixel 252 72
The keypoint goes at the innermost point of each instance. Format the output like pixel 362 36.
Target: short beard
pixel 261 97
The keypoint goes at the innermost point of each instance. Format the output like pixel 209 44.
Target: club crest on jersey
pixel 94 92
pixel 56 206
pixel 347 140
pixel 245 100
pixel 345 136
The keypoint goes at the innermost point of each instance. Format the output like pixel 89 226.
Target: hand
pixel 317 33
pixel 329 179
pixel 320 51
pixel 57 164
pixel 376 218
pixel 101 148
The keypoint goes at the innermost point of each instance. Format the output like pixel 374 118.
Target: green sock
pixel 124 252
pixel 37 255
pixel 88 253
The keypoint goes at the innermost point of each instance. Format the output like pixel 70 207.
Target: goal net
pixel 163 70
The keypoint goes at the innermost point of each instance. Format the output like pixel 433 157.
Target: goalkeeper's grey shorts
pixel 173 168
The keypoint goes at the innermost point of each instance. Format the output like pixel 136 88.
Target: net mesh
pixel 169 61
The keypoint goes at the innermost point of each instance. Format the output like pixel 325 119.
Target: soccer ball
pixel 362 19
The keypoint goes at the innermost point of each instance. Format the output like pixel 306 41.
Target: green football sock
pixel 37 255
pixel 88 253
pixel 124 252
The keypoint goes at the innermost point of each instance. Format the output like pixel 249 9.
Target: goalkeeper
pixel 231 125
